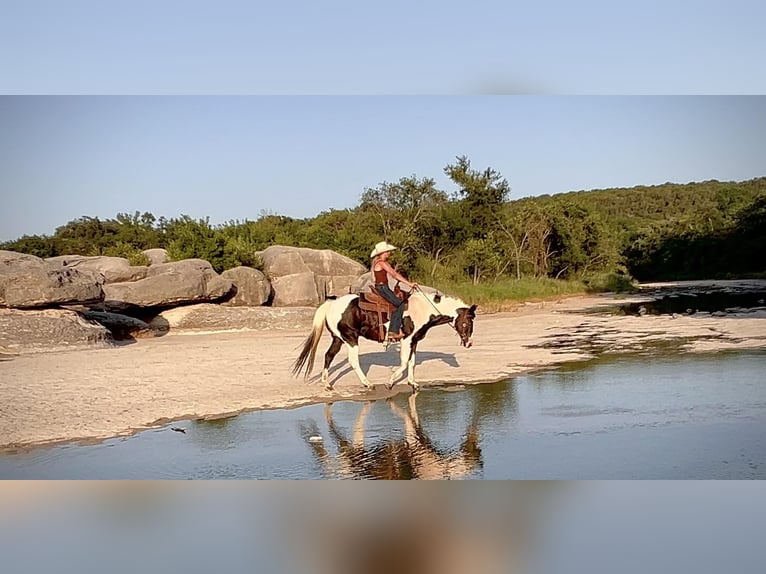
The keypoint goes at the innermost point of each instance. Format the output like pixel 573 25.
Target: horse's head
pixel 464 324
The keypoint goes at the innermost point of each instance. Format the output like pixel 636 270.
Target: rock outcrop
pixel 49 329
pixel 296 289
pixel 251 288
pixel 290 268
pixel 211 317
pixel 168 284
pixel 114 269
pixel 28 282
pixel 156 256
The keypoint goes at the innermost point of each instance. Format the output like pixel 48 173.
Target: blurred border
pixel 359 526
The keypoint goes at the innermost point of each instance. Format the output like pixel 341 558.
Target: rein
pixel 437 310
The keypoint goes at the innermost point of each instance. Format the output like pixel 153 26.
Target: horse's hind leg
pixel 353 359
pixel 328 357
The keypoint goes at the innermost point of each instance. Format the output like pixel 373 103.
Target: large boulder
pixel 48 329
pixel 362 283
pixel 295 290
pixel 114 269
pixel 251 288
pixel 168 284
pixel 279 260
pixel 43 286
pixel 331 272
pixel 12 262
pixel 212 317
pixel 156 256
pixel 183 266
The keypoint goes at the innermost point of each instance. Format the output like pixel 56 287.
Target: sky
pixel 393 47
pixel 236 157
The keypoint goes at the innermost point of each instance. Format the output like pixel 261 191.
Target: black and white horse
pixel 348 323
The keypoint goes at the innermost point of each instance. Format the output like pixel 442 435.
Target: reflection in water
pixel 415 456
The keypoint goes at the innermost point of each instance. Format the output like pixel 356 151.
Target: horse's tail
pixel 308 354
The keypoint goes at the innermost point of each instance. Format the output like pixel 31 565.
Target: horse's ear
pixel 472 310
pixel 437 297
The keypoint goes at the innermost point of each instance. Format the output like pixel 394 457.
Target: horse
pixel 347 322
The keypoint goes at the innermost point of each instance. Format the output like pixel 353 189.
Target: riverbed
pixel 96 394
pixel 664 417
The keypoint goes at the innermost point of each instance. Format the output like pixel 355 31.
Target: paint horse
pixel 347 322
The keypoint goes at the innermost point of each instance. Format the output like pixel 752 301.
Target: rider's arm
pixel 393 273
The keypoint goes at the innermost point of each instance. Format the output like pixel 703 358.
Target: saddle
pixel 371 300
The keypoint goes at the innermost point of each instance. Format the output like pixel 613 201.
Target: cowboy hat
pixel 381 247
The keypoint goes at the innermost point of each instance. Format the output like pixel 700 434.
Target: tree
pixel 190 238
pixel 483 193
pixel 403 210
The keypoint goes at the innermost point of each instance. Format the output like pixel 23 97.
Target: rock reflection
pixel 415 456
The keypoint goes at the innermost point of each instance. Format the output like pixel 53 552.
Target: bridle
pixel 437 310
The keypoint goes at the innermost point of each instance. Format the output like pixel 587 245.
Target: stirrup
pixel 391 340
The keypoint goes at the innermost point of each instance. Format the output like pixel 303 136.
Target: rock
pixel 281 260
pixel 46 287
pixel 183 266
pixel 12 262
pixel 114 269
pixel 120 326
pixel 156 256
pixel 298 289
pixel 251 287
pixel 176 285
pixel 334 284
pixel 49 329
pixel 362 283
pixel 331 272
pixel 212 317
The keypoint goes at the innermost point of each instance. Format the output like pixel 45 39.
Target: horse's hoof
pixel 390 386
pixel 328 388
pixel 415 387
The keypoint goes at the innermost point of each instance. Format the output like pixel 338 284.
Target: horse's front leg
pixel 411 371
pixel 353 359
pixel 404 355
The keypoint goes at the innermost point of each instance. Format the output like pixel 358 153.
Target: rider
pixel 381 271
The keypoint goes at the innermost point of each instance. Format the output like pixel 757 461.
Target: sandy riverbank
pixel 95 394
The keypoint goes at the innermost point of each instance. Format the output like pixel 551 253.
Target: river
pixel 628 417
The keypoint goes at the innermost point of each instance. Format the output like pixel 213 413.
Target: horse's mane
pixel 446 304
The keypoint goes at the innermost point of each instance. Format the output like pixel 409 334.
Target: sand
pixel 100 393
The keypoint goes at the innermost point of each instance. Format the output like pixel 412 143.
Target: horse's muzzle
pixel 467 344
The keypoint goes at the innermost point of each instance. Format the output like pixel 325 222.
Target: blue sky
pixel 392 47
pixel 233 157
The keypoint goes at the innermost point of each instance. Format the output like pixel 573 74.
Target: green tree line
pixel 477 234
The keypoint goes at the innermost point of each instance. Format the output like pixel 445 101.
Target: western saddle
pixel 371 300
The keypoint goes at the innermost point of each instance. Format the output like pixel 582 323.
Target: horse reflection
pixel 413 457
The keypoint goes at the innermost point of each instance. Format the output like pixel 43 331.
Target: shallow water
pixel 666 417
pixel 722 303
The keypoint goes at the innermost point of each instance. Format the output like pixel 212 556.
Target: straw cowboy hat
pixel 381 247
